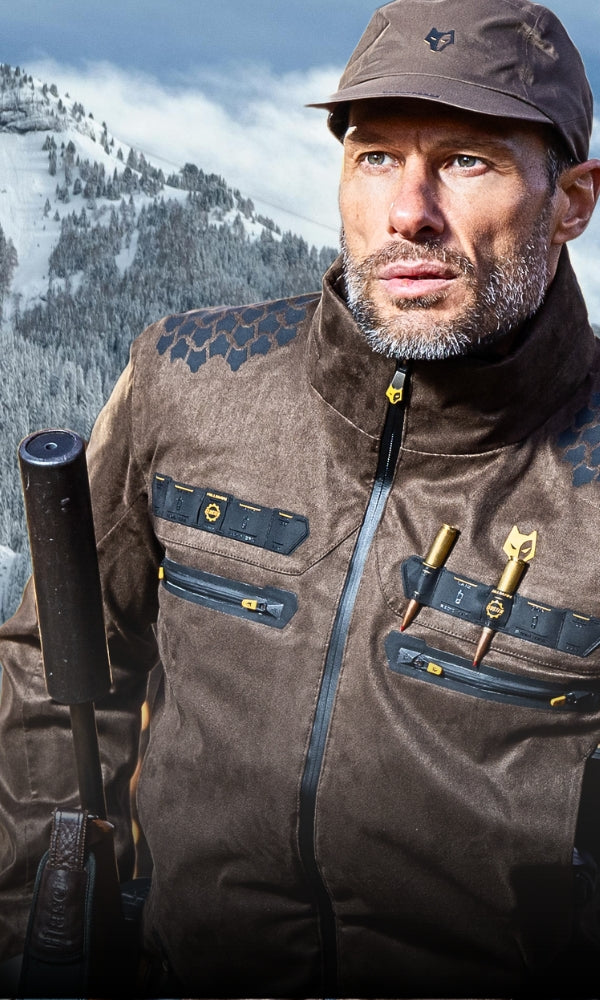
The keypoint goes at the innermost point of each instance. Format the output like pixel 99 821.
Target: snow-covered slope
pixel 96 241
pixel 48 145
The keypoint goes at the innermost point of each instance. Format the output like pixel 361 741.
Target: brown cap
pixel 508 58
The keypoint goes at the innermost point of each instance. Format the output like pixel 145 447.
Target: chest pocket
pixel 269 605
pixel 220 525
pixel 414 658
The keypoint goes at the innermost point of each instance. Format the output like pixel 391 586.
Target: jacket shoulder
pixel 578 442
pixel 234 334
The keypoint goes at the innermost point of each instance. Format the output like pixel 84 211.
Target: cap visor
pixel 455 93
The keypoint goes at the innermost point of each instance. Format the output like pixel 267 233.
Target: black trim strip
pixel 386 466
pixel 267 605
pixel 219 513
pixel 526 618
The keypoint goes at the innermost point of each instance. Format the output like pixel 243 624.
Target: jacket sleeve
pixel 37 765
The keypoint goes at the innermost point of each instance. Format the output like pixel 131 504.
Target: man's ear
pixel 579 187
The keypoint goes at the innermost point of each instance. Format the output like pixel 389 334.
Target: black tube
pixel 67 589
pixel 87 759
pixel 65 566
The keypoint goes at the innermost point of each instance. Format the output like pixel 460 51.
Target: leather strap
pixel 67 842
pixel 76 919
pixel 56 956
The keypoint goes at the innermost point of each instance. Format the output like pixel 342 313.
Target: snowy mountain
pixel 55 159
pixel 96 241
pixel 43 136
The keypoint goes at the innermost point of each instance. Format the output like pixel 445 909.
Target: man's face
pixel 447 227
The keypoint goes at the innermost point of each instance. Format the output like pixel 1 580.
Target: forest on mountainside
pixel 61 357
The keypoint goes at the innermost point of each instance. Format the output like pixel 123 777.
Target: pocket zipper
pixel 267 604
pixel 414 657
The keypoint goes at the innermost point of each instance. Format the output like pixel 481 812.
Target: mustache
pixel 394 253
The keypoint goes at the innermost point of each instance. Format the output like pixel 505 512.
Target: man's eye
pixel 376 159
pixel 466 162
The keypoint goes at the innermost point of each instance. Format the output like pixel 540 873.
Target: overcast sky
pixel 223 83
pixel 173 38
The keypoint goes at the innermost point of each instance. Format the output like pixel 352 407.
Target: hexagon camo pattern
pixel 234 334
pixel 581 443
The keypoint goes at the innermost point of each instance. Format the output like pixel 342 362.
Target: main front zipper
pixel 386 466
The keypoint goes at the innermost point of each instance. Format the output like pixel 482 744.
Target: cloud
pixel 251 128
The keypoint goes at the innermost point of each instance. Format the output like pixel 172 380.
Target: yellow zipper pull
pixel 395 390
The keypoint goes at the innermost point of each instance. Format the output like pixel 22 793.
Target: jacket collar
pixel 465 404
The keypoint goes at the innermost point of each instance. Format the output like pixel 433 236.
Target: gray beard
pixel 510 291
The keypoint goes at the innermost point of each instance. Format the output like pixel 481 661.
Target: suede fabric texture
pixel 445 822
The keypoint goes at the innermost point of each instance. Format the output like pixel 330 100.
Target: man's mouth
pixel 413 279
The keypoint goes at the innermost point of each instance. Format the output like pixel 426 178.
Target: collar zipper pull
pixel 395 390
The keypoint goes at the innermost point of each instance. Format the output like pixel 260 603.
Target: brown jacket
pixel 333 806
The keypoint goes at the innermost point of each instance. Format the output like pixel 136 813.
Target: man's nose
pixel 415 211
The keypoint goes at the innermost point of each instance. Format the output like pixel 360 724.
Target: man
pixel 368 772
